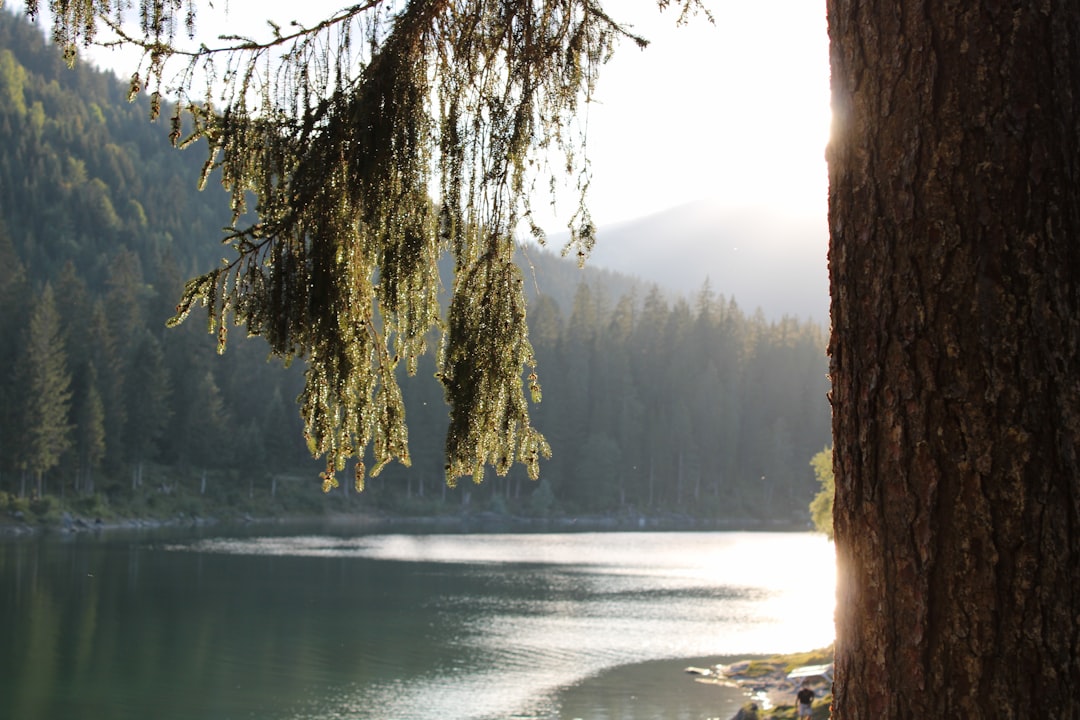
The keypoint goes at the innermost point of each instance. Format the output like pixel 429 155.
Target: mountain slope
pixel 759 259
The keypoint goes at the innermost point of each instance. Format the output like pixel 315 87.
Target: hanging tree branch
pixel 341 132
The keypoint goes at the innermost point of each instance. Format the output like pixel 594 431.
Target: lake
pixel 328 625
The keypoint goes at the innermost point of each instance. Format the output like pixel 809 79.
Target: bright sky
pixel 736 112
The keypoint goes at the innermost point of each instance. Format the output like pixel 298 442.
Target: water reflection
pixel 388 626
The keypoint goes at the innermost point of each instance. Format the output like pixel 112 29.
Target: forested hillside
pixel 651 404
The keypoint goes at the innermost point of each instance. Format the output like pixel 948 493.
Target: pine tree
pixel 210 433
pixel 89 430
pixel 13 298
pixel 105 355
pixel 147 400
pixel 44 383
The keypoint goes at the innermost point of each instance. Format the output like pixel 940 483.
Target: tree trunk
pixel 954 214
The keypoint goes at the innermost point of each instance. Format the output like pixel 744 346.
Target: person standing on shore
pixel 805 700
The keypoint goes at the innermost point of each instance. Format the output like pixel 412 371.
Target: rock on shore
pixel 765 682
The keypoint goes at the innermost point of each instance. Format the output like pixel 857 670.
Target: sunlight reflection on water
pixel 399 627
pixel 782 583
pixel 545 611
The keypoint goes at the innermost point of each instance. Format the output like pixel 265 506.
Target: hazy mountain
pixel 775 263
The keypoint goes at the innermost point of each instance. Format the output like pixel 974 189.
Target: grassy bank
pixel 168 496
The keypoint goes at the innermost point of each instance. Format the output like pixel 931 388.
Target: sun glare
pixel 737 111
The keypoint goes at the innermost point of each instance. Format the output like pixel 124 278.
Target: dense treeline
pixel 100 226
pixel 681 405
pixel 650 404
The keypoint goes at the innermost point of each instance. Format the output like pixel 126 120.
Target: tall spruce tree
pixel 147 398
pixel 105 354
pixel 89 444
pixel 44 386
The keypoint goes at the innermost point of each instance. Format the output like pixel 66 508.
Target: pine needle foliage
pixel 42 370
pixel 372 143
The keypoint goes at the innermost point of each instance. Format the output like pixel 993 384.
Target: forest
pixel 654 402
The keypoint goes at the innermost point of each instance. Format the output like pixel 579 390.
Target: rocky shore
pixel 769 691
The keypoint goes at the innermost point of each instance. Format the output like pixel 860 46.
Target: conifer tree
pixel 89 443
pixel 45 388
pixel 103 352
pixel 210 430
pixel 88 406
pixel 13 291
pixel 147 398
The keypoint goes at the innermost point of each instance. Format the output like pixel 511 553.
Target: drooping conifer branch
pixel 342 133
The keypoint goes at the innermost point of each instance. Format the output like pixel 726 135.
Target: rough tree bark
pixel 954 213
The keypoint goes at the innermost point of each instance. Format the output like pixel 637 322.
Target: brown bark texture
pixel 954 212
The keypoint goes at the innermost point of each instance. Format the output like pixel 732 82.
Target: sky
pixel 734 113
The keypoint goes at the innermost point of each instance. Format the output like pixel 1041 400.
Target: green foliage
pixel 777 667
pixel 45 509
pixel 760 668
pixel 652 405
pixel 12 78
pixel 90 425
pixel 147 401
pixel 91 506
pixel 12 504
pixel 821 656
pixel 821 507
pixel 210 439
pixel 45 431
pixel 340 269
pixel 339 144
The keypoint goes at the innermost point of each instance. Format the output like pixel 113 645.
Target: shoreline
pixel 16 525
pixel 718 687
pixel 765 681
pixel 768 691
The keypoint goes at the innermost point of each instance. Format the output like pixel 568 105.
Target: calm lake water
pixel 327 625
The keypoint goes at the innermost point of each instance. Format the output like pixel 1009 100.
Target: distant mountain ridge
pixel 761 260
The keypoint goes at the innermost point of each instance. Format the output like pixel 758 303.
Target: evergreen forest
pixel 654 403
